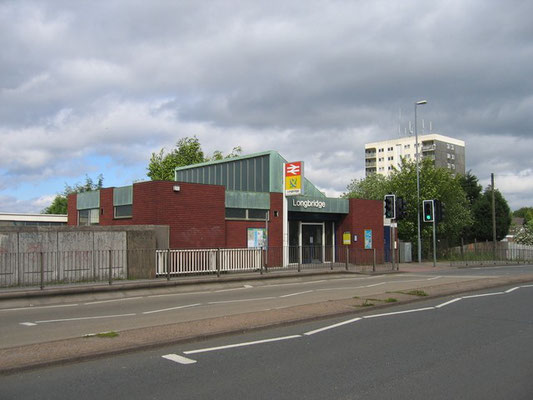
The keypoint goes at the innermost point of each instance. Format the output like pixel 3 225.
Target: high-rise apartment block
pixel 446 152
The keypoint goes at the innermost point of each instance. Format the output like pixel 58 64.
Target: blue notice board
pixel 368 238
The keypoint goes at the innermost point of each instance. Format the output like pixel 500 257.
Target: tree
pixel 481 230
pixel 525 236
pixel 435 183
pixel 373 187
pixel 524 212
pixel 188 151
pixel 59 204
pixel 162 165
pixel 471 187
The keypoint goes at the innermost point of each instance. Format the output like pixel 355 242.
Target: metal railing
pixel 45 268
pixel 198 261
pixel 485 253
pixel 210 261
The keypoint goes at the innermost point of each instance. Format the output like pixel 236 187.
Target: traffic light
pixel 428 211
pixel 440 211
pixel 401 208
pixel 390 206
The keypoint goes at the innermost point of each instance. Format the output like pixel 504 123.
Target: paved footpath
pixel 82 348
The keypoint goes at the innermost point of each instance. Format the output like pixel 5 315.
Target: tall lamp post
pixel 418 103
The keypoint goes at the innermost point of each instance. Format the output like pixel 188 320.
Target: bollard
pixel 299 258
pixel 347 255
pixel 42 270
pixel 168 264
pixel 374 261
pixel 110 268
pixel 262 261
pixel 217 262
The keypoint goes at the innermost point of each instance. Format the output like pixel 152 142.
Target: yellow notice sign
pixel 293 183
pixel 346 238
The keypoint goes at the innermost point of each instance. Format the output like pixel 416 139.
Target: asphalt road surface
pixel 473 346
pixel 22 324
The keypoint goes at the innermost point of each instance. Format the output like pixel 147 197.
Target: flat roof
pixel 421 138
pixel 33 217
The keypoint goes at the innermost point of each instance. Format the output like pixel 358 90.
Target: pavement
pixel 20 358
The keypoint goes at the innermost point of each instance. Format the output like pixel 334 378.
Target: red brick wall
pixel 237 231
pixel 195 214
pixel 72 217
pixel 275 225
pixel 364 214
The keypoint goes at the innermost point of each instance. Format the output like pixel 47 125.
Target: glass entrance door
pixel 312 243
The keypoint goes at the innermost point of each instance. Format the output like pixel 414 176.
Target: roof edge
pixel 225 160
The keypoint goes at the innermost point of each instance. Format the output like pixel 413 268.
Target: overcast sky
pixel 89 87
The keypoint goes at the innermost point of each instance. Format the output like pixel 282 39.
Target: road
pixel 57 318
pixel 475 346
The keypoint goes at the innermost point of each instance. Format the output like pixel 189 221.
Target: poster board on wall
pixel 256 237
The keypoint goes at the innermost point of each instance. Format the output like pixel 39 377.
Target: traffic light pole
pixel 434 245
pixel 393 245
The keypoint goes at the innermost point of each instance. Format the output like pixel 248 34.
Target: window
pixel 243 213
pixel 89 217
pixel 239 213
pixel 123 211
pixel 451 146
pixel 453 156
pixel 257 214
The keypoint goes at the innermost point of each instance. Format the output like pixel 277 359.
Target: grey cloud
pixel 314 80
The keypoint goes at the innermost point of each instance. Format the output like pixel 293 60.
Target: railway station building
pixel 256 200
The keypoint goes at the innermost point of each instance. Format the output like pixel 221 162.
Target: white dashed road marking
pixel 230 346
pixel 171 308
pixel 84 318
pixel 482 295
pixel 449 302
pixel 399 312
pixel 332 326
pixel 179 359
pixel 295 294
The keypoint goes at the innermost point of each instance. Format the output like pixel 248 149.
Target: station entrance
pixel 311 238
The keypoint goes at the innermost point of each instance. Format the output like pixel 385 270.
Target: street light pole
pixel 418 103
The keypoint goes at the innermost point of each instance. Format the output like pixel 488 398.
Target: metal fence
pixel 485 253
pixel 204 261
pixel 45 268
pixel 60 267
pixel 199 261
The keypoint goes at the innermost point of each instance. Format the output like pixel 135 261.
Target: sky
pixel 95 87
